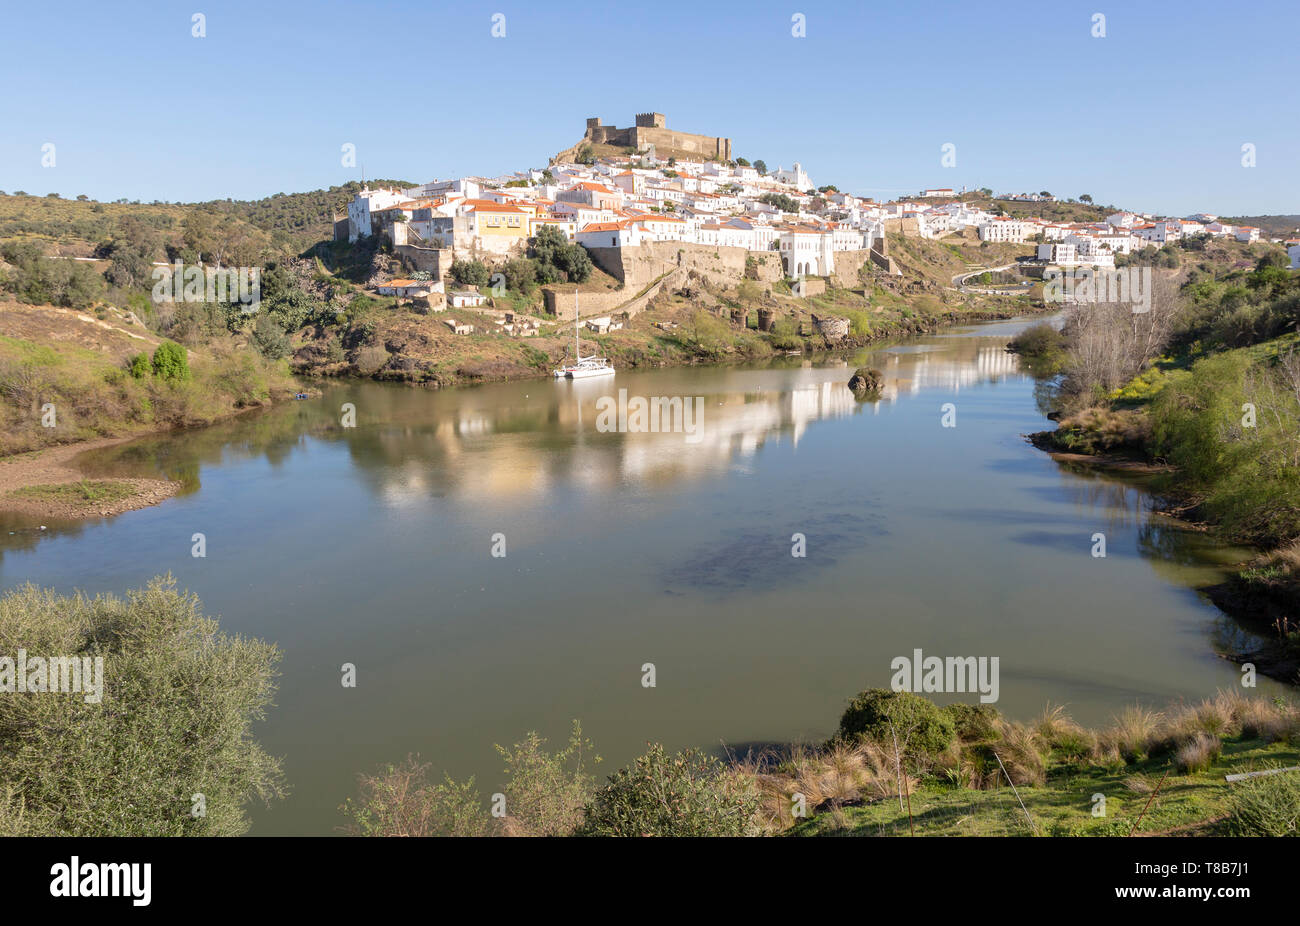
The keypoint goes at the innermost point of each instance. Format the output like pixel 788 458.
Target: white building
pixel 807 252
pixel 795 177
pixel 1006 229
pixel 365 203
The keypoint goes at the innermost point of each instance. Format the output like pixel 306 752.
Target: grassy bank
pixel 67 379
pixel 898 765
pixel 1206 385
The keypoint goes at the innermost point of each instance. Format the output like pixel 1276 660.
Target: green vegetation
pixel 899 765
pixel 558 259
pixel 1267 806
pixel 83 491
pixel 1058 768
pixel 545 794
pixel 686 794
pixel 887 716
pixel 470 272
pixel 1231 424
pixel 28 276
pixel 781 201
pixel 1042 347
pixel 170 362
pixel 172 721
pixel 97 396
pixel 1208 381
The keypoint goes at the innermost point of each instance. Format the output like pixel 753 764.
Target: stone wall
pixel 847 266
pixel 832 327
pixel 651 130
pixel 764 266
pixel 436 261
pixel 636 267
pixel 560 304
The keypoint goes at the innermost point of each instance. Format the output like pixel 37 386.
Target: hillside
pixel 79 363
pixel 75 227
pixel 1270 226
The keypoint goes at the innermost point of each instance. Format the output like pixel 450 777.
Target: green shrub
pixel 686 794
pixel 1267 806
pixel 880 715
pixel 400 801
pixel 1245 471
pixel 974 723
pixel 1043 348
pixel 140 366
pixel 177 701
pixel 470 272
pixel 170 362
pixel 546 793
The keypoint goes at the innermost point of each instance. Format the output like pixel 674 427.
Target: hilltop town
pixel 647 201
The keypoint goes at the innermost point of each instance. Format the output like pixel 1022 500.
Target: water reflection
pixel 370 545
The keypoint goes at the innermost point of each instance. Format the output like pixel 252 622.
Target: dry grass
pixel 1197 754
pixel 1188 732
pixel 1132 733
pixel 828 779
pixel 837 776
pixel 1023 752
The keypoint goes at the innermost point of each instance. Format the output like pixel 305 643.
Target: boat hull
pixel 590 372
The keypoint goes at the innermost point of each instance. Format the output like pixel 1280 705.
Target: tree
pixel 169 719
pixel 170 362
pixel 38 280
pixel 470 272
pixel 268 337
pixel 879 714
pixel 1085 198
pixel 781 201
pixel 557 257
pixel 761 167
pixel 687 794
pixel 520 274
pixel 131 253
pixel 741 162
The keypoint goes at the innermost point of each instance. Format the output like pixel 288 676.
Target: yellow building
pixel 497 220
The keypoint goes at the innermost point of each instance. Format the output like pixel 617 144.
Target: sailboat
pixel 583 367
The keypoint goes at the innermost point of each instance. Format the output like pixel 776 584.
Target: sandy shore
pixel 53 466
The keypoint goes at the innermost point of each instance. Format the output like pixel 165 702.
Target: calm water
pixel 372 546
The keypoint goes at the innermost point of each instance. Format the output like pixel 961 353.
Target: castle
pixel 651 129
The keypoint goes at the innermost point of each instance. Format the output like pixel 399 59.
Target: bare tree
pixel 1110 343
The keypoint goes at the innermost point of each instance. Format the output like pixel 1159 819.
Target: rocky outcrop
pixel 867 382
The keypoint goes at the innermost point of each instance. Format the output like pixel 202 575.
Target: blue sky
pixel 1152 116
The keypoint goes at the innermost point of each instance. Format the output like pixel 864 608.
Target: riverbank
pixel 1216 408
pixel 47 484
pixel 420 350
pixel 1151 773
pixel 23 475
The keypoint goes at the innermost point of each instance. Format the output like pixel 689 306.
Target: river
pixel 372 545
